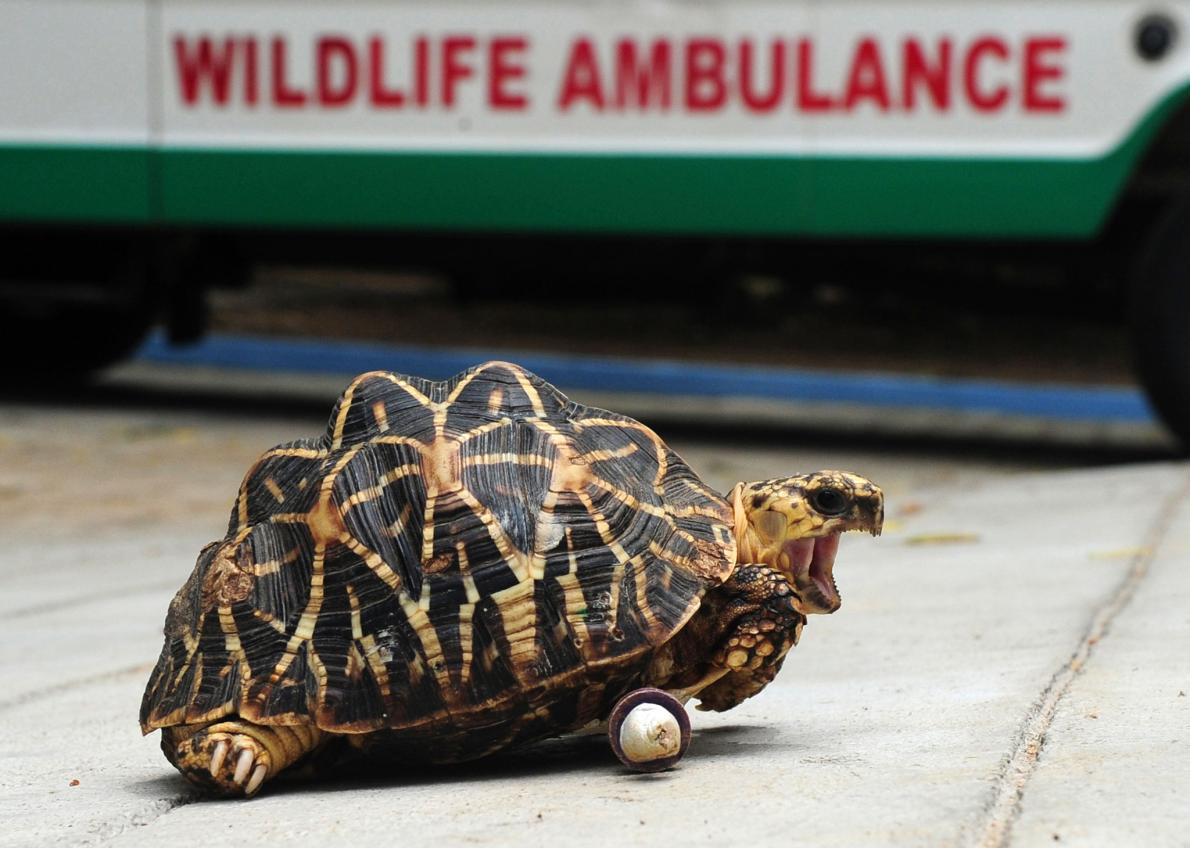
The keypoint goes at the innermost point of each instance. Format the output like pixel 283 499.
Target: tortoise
pixel 462 566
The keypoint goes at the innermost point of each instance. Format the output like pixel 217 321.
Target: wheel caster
pixel 649 730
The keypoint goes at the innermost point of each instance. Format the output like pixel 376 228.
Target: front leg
pixel 735 687
pixel 755 623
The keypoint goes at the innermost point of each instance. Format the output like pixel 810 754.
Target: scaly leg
pixel 235 757
pixel 757 624
pixel 737 686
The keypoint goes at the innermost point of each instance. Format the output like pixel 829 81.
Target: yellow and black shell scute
pixel 449 555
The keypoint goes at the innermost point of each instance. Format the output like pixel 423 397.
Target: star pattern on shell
pixel 447 551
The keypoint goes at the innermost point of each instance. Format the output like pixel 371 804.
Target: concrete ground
pixel 1010 665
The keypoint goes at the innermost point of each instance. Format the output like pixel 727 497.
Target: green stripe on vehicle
pixel 77 184
pixel 601 193
pixel 693 194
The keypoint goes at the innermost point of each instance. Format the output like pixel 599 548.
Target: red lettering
pixel 380 95
pixel 1038 71
pixel 866 81
pixel 705 87
pixel 283 94
pixel 204 65
pixel 767 101
pixel 453 71
pixel 984 100
pixel 250 75
pixel 640 86
pixel 809 100
pixel 504 69
pixel 918 71
pixel 581 79
pixel 331 50
pixel 421 71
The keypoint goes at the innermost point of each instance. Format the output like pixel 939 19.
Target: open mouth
pixel 812 563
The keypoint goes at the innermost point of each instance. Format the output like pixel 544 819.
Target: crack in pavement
pixel 1004 806
pixel 91 598
pixel 106 832
pixel 66 685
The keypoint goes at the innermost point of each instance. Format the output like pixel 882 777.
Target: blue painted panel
pixel 668 377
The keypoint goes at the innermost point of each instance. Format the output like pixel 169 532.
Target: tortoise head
pixel 792 524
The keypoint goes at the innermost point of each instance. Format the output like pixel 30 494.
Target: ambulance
pixel 150 148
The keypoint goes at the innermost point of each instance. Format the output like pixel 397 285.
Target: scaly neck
pixel 745 552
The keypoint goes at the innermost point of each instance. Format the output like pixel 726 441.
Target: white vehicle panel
pixel 75 71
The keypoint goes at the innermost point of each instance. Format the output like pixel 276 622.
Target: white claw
pixel 217 757
pixel 243 766
pixel 258 776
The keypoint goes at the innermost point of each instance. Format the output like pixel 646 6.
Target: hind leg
pixel 235 757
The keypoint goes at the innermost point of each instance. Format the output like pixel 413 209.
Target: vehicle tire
pixel 1159 318
pixel 69 343
pixel 72 323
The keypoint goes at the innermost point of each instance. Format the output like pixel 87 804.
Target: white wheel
pixel 649 730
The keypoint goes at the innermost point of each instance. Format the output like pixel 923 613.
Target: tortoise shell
pixel 447 553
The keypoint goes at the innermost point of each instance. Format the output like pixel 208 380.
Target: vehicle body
pixel 199 135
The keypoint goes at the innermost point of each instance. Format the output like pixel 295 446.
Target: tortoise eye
pixel 771 525
pixel 829 501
